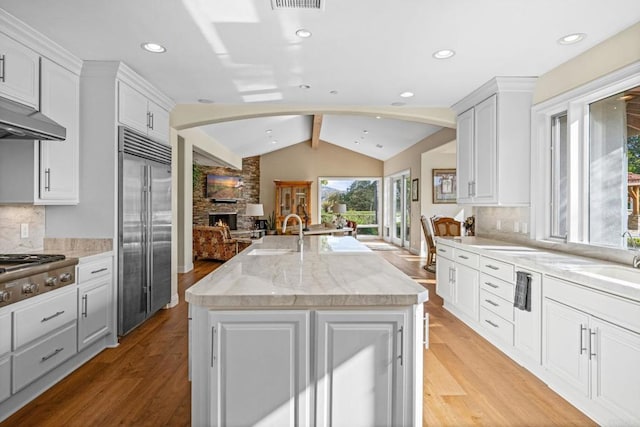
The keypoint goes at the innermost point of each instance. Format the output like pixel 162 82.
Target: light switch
pixel 24 230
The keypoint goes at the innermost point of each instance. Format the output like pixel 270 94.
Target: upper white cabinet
pixel 142 114
pixel 494 143
pixel 59 160
pixel 19 68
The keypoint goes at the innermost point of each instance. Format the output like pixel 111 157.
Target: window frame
pixel 576 104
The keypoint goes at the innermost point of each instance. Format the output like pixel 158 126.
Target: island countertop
pixel 329 271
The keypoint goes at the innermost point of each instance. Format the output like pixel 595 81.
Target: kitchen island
pixel 331 335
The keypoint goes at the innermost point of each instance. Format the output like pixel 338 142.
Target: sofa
pixel 214 242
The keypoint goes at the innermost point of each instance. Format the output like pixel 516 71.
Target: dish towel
pixel 522 299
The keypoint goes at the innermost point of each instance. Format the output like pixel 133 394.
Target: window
pixel 590 191
pixel 559 178
pixel 361 195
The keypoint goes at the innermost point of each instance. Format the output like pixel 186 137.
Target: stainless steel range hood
pixel 19 121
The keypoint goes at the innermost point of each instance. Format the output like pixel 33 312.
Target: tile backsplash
pixel 502 222
pixel 11 218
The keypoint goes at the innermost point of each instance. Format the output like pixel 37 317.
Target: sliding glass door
pixel 400 209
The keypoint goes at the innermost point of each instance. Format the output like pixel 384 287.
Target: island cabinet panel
pixel 260 371
pixel 5 378
pixel 360 368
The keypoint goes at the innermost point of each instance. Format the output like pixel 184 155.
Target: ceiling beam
pixel 315 131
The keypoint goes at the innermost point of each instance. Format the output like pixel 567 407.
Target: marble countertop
pixel 575 268
pixel 330 271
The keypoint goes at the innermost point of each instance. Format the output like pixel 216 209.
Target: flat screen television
pixel 224 188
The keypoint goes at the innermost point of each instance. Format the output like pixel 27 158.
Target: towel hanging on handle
pixel 522 298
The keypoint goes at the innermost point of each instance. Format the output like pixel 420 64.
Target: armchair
pixel 216 243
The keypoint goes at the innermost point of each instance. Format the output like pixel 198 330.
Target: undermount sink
pixel 615 272
pixel 255 252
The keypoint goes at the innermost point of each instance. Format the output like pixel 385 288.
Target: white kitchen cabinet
pixel 59 160
pixel 360 368
pixel 19 68
pixel 5 377
pixel 445 279
pixel 467 286
pixel 493 159
pixel 592 360
pixel 95 301
pixel 528 324
pixel 142 114
pixel 5 332
pixel 260 368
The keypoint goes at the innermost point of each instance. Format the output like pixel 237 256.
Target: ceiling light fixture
pixel 379 145
pixel 443 54
pixel 153 47
pixel 303 33
pixel 304 87
pixel 274 142
pixel 205 101
pixel 356 142
pixel 268 131
pixel 365 131
pixel 378 117
pixel 572 38
pixel 406 94
pixel 334 92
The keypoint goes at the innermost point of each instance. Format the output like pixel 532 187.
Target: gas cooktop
pixel 10 262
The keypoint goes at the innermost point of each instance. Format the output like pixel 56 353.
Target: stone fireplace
pixel 228 218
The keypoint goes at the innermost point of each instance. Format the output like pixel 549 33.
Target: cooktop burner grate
pixel 14 261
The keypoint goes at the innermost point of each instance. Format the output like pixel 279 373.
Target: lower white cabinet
pixel 445 278
pixel 302 367
pixel 5 377
pixel 589 358
pixel 5 332
pixel 528 324
pixel 260 368
pixel 95 301
pixel 467 285
pixel 360 378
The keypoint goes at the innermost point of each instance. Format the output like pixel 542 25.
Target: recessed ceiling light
pixel 205 101
pixel 365 131
pixel 443 54
pixel 303 33
pixel 268 131
pixel 406 94
pixel 572 38
pixel 398 104
pixel 379 145
pixel 304 87
pixel 274 142
pixel 378 117
pixel 356 142
pixel 153 47
pixel 334 92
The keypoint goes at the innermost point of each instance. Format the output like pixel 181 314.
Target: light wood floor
pixel 143 382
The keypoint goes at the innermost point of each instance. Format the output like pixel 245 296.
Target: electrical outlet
pixel 498 224
pixel 516 227
pixel 524 228
pixel 24 230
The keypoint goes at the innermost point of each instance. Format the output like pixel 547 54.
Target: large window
pixel 361 195
pixel 593 158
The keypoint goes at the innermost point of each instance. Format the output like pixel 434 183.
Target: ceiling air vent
pixel 297 4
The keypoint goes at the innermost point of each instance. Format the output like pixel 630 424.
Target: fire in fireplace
pixel 228 218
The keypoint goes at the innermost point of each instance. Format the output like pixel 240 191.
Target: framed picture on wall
pixel 414 190
pixel 445 186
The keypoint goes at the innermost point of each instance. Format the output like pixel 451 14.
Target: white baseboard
pixel 185 268
pixel 175 299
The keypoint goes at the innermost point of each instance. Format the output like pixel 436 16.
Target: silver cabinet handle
pixel 492 303
pixel 492 285
pixel 491 323
pixel 152 121
pixel 442 251
pixel 46 319
pixel 49 356
pixel 99 270
pixel 47 179
pixel 592 344
pixel 2 68
pixel 85 304
pixel 401 356
pixel 493 267
pixel 213 345
pixel 582 330
pixel 463 257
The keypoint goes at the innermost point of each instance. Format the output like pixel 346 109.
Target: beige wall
pixel 411 159
pixel 612 54
pixel 300 162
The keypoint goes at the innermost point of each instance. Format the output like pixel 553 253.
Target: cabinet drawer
pixel 38 359
pixel 499 306
pixel 501 270
pixel 91 270
pixel 467 258
pixel 5 332
pixel 497 325
pixel 37 320
pixel 496 286
pixel 445 251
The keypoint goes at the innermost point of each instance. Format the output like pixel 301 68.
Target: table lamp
pixel 339 209
pixel 254 210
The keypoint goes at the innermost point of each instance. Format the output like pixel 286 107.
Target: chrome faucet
pixel 300 235
pixel 633 241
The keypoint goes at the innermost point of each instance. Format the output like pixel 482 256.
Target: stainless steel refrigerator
pixel 144 228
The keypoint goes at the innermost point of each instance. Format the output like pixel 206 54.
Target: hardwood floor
pixel 143 382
